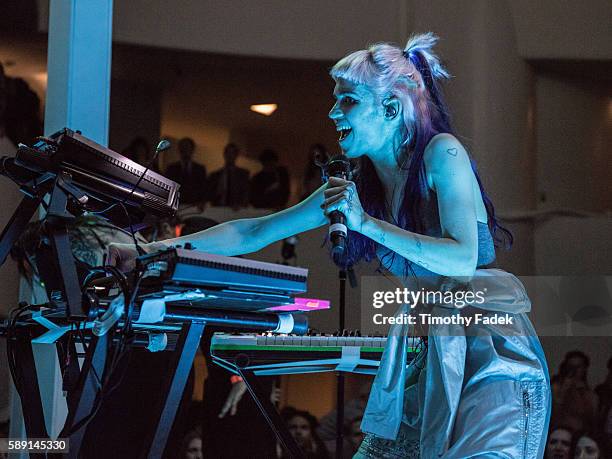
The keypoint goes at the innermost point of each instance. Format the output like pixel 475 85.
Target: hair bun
pixel 423 45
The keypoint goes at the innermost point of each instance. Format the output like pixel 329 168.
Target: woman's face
pixel 360 120
pixel 194 449
pixel 299 428
pixel 586 448
pixel 558 445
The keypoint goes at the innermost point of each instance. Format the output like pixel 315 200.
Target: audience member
pixel 604 410
pixel 573 400
pixel 192 445
pixel 587 445
pixel 302 427
pixel 229 186
pixel 189 174
pixel 140 150
pixel 559 443
pixel 270 187
pixel 353 409
pixel 22 110
pixel 354 436
pixel 312 179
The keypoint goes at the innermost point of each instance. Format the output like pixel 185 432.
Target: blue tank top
pixel 431 224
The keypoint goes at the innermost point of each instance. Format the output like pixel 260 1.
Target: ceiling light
pixel 264 109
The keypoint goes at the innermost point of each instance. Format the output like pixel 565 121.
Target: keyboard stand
pixel 82 398
pixel 183 356
pixel 31 401
pixel 270 414
pixel 83 394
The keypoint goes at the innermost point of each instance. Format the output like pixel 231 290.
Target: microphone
pixel 163 145
pixel 338 166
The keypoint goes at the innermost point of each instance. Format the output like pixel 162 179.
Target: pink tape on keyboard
pixel 303 304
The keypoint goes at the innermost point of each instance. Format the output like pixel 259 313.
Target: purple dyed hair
pixel 411 75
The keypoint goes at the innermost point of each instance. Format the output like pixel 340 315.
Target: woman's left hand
pixel 342 195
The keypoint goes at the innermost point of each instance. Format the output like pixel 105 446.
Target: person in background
pixel 139 150
pixel 353 410
pixel 189 174
pixel 311 180
pixel 192 445
pixel 21 121
pixel 573 400
pixel 587 445
pixel 229 186
pixel 354 435
pixel 270 187
pixel 604 410
pixel 302 426
pixel 559 443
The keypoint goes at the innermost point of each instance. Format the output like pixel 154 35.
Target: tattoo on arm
pixel 452 151
pixel 419 250
pixel 349 200
pixel 382 238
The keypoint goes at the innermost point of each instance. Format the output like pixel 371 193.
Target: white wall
pixel 574 134
pixel 319 29
pixel 315 29
pixel 563 29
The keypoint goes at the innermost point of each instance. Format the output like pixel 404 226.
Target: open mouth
pixel 344 132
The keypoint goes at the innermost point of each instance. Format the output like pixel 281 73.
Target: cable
pixel 10 345
pixel 132 232
pixel 119 351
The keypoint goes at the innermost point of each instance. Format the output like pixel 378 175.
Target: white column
pixel 78 97
pixel 78 66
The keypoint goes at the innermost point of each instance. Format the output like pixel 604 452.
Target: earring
pixel 391 112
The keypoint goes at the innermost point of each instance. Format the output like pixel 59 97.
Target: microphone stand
pixel 339 166
pixel 340 375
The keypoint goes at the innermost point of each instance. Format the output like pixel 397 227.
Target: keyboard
pixel 178 267
pixel 288 354
pixel 108 175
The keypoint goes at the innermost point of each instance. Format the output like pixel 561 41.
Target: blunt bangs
pixel 357 68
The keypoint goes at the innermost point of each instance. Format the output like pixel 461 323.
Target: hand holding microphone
pixel 342 204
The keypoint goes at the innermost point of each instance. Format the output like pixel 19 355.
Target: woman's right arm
pixel 238 237
pixel 247 235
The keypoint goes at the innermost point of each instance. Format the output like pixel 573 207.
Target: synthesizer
pixel 288 354
pixel 179 267
pixel 102 172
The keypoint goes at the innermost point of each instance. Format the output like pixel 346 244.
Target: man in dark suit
pixel 190 175
pixel 229 186
pixel 270 187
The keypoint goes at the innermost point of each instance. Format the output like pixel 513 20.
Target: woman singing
pixel 418 205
